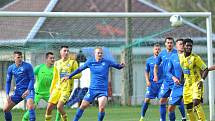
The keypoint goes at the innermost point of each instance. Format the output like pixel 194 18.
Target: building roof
pixel 90 30
pixel 19 27
pixel 108 28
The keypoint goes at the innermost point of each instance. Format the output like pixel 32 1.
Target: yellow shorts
pixel 61 93
pixel 191 92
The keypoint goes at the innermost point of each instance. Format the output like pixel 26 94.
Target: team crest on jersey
pixel 189 62
pixel 21 69
pixel 103 63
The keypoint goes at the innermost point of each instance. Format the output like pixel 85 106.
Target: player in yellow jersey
pixel 60 91
pixel 195 71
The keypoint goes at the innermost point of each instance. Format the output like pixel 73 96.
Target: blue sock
pixel 101 116
pixel 144 109
pixel 32 116
pixel 182 110
pixel 163 112
pixel 78 114
pixel 172 116
pixel 8 116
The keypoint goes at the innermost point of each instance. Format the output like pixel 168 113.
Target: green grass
pixel 113 113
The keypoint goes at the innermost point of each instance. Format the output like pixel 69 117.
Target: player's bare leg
pixel 102 103
pixel 49 109
pixel 60 108
pixel 7 107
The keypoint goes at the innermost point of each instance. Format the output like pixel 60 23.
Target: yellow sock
pixel 200 112
pixel 191 115
pixel 48 117
pixel 64 117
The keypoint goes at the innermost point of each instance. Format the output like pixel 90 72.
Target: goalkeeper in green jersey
pixel 44 75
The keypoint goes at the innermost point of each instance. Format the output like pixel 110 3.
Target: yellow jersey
pixel 62 69
pixel 192 67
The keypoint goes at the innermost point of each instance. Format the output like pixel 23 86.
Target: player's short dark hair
pixel 170 38
pixel 156 45
pixel 17 52
pixel 187 40
pixel 49 53
pixel 64 46
pixel 180 39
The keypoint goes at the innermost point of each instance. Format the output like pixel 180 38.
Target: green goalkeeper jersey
pixel 44 76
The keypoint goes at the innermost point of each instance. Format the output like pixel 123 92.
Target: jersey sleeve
pixel 74 67
pixel 55 78
pixel 200 63
pixel 78 70
pixel 30 74
pixel 147 67
pixel 36 69
pixel 169 70
pixel 158 59
pixel 8 80
pixel 115 65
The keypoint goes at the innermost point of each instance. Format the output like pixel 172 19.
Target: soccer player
pixel 153 88
pixel 24 80
pixel 60 91
pixel 44 75
pixel 174 73
pixel 165 90
pixel 195 71
pixel 99 68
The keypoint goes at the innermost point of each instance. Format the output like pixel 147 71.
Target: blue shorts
pixel 176 95
pixel 92 94
pixel 166 89
pixel 17 96
pixel 153 90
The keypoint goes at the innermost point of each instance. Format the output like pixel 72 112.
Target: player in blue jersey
pixel 24 80
pixel 153 88
pixel 175 73
pixel 165 90
pixel 99 68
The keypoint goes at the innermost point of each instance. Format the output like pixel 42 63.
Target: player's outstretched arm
pixel 211 68
pixel 78 70
pixel 74 67
pixel 116 65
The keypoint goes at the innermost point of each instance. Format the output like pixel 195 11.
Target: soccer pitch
pixel 113 113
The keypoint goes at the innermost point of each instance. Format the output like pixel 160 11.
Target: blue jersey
pixel 163 59
pixel 174 68
pixel 99 72
pixel 150 62
pixel 24 77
